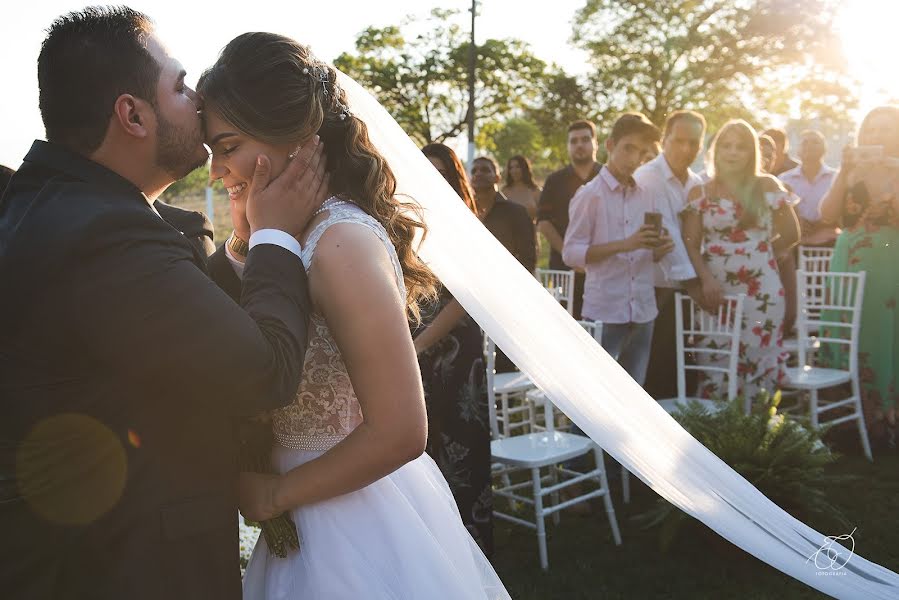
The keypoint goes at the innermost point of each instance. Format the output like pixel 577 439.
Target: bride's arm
pixel 354 286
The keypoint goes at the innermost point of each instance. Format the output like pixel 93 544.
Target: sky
pixel 196 32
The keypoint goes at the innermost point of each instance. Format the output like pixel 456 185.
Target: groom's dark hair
pixel 88 59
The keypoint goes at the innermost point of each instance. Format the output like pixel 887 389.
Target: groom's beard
pixel 179 152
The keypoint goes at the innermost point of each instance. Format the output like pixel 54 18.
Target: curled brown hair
pixel 527 177
pixel 455 173
pixel 267 86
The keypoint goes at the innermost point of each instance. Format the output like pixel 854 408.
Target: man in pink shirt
pixel 608 238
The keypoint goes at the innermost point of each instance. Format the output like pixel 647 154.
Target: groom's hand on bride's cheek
pixel 257 496
pixel 288 201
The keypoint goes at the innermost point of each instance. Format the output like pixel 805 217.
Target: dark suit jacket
pixel 121 368
pixel 194 225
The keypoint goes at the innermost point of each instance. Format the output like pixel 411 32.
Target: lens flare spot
pixel 71 469
pixel 133 438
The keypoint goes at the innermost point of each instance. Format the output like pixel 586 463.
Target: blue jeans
pixel 629 344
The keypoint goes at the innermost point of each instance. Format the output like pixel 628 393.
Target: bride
pixel 375 517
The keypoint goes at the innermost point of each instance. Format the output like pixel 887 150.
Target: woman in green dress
pixel 864 200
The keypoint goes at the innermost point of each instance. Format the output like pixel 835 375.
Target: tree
pixel 563 99
pixel 510 137
pixel 721 57
pixel 419 72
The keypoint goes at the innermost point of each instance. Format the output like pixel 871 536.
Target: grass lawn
pixel 585 563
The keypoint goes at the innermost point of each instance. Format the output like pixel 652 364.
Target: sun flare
pixel 870 37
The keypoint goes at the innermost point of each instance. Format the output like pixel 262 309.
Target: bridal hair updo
pixel 271 88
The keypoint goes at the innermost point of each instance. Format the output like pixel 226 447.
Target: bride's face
pixel 234 155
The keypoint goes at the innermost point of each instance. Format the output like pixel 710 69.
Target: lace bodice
pixel 325 409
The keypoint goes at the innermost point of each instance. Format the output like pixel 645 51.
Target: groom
pixel 121 363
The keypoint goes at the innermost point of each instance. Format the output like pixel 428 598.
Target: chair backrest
pixel 560 284
pixel 831 305
pixel 594 328
pixel 814 262
pixel 490 367
pixel 695 325
pixel 813 258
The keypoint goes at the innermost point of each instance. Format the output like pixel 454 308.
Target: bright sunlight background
pixel 196 31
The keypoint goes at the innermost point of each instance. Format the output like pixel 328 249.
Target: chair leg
pixel 607 497
pixel 507 421
pixel 554 474
pixel 813 407
pixel 860 419
pixel 538 518
pixel 625 485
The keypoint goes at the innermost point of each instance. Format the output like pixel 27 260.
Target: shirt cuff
pixel 235 264
pixel 278 238
pixel 575 255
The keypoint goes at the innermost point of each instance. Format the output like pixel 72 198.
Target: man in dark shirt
pixel 552 210
pixel 783 162
pixel 507 221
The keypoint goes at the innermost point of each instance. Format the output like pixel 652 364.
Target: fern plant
pixel 783 459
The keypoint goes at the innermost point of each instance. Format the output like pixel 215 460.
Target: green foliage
pixel 721 57
pixel 563 99
pixel 514 136
pixel 784 460
pixel 419 72
pixel 193 184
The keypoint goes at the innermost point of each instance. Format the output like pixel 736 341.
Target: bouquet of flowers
pixel 255 439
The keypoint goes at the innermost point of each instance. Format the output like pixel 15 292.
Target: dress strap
pixel 345 211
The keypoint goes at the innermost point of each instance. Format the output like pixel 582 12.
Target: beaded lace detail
pixel 325 409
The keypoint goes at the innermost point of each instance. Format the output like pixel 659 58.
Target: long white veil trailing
pixel 589 386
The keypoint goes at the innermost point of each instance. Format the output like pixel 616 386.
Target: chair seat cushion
pixel 814 377
pixel 674 405
pixel 510 383
pixel 540 449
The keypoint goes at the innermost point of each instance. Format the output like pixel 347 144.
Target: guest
pixel 520 187
pixel 560 186
pixel 864 200
pixel 769 153
pixel 728 228
pixel 810 181
pixel 451 355
pixel 507 221
pixel 653 152
pixel 667 178
pixel 782 160
pixel 607 238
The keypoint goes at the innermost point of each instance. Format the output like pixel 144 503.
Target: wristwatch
pixel 238 246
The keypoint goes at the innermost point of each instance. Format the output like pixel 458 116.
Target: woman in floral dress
pixel 727 229
pixel 864 200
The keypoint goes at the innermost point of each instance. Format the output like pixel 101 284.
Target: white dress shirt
pixel 620 288
pixel 265 236
pixel 670 196
pixel 810 192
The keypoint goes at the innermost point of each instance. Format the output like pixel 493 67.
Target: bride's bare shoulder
pixel 348 250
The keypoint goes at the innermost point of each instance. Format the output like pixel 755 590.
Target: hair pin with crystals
pixel 323 77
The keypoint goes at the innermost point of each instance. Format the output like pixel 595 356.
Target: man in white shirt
pixel 667 179
pixel 810 181
pixel 608 238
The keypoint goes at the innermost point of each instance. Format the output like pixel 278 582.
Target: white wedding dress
pixel 400 537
